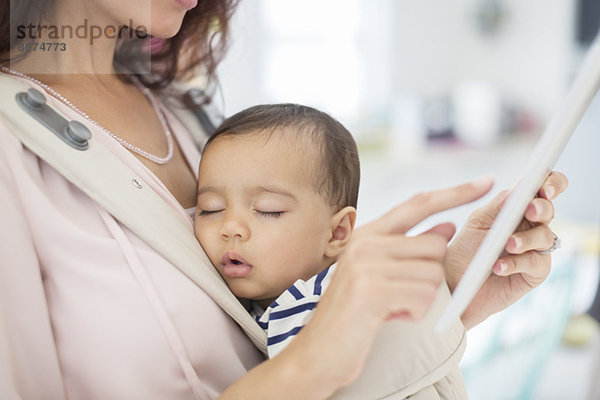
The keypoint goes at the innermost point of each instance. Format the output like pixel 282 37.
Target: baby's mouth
pixel 234 266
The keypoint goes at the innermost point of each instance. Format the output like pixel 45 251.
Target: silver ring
pixel 555 245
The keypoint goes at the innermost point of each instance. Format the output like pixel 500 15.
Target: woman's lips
pixel 234 266
pixel 187 4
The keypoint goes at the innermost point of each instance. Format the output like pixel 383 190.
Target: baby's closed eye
pixel 270 214
pixel 202 213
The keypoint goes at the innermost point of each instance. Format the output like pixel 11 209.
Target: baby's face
pixel 259 218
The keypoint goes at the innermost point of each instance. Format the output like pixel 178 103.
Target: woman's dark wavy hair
pixel 200 43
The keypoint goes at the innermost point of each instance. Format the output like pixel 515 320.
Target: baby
pixel 277 192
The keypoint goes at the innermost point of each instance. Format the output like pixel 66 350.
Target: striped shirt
pixel 286 316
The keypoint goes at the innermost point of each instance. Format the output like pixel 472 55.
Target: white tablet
pixel 538 167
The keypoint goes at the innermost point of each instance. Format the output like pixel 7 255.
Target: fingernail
pixel 500 267
pixel 549 192
pixel 532 209
pixel 516 242
pixel 483 182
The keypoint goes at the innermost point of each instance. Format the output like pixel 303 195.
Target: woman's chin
pixel 167 26
pixel 165 32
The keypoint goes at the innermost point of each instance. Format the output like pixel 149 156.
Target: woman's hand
pixel 382 274
pixel 520 268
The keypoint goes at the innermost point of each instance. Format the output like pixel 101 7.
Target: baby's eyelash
pixel 270 214
pixel 208 212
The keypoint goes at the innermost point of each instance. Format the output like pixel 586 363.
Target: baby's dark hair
pixel 336 174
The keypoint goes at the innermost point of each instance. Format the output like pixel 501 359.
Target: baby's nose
pixel 235 227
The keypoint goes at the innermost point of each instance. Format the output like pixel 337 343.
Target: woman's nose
pixel 235 227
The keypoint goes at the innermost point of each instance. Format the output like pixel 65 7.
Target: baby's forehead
pixel 288 147
pixel 284 140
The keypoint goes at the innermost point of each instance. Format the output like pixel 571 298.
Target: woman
pixel 90 310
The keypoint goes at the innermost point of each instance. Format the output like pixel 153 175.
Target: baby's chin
pixel 242 291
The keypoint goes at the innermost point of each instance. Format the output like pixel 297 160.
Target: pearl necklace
pixel 123 142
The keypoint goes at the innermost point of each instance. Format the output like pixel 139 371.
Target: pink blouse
pixel 87 309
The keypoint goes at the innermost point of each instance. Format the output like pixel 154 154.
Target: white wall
pixel 529 60
pixel 424 48
pixel 241 73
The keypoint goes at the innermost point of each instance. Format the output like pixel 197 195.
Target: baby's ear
pixel 342 224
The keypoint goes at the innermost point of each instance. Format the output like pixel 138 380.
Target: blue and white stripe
pixel 286 316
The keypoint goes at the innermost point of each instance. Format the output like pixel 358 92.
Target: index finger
pixel 408 214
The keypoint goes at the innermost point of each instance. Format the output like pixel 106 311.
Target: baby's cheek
pixel 205 242
pixel 197 229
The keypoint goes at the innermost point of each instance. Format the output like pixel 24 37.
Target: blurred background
pixel 437 92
